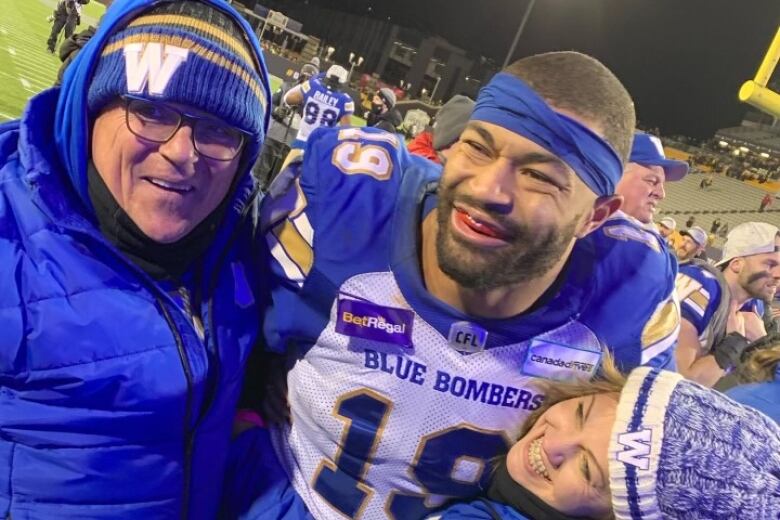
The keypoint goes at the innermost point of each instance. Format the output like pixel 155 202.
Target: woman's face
pixel 563 458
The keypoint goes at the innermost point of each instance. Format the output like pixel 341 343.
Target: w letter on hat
pixel 153 64
pixel 637 444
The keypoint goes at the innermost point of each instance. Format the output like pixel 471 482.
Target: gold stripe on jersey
pixel 295 245
pixel 663 322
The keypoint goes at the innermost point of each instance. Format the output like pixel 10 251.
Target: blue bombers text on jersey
pixel 399 401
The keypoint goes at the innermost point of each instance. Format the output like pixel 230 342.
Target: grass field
pixel 26 67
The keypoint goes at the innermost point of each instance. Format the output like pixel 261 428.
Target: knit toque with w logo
pixel 680 450
pixel 184 52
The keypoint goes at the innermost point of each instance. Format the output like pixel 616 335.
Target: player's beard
pixel 755 285
pixel 530 252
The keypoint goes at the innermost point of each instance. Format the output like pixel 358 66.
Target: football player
pixel 715 325
pixel 418 308
pixel 323 102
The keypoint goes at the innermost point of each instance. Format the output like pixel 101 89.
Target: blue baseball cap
pixel 647 150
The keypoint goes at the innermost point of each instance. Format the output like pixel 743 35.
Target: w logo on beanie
pixel 152 64
pixel 637 446
pixel 185 52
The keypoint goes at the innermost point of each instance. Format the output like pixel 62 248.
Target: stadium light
pixel 723 144
pixel 744 149
pixel 764 155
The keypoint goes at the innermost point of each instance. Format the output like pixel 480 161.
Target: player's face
pixel 760 275
pixel 165 188
pixel 563 458
pixel 508 209
pixel 642 188
pixel 688 249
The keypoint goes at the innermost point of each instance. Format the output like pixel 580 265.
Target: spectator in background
pixel 67 15
pixel 667 226
pixel 766 202
pixel 129 276
pixel 715 226
pixel 690 222
pixel 724 230
pixel 644 177
pixel 694 242
pixel 383 113
pixel 436 144
pixel 706 182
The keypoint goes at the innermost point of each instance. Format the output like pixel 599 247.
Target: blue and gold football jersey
pixel 398 400
pixel 700 294
pixel 321 107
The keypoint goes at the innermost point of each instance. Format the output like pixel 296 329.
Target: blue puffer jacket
pixel 111 406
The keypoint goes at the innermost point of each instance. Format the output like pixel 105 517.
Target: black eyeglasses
pixel 158 122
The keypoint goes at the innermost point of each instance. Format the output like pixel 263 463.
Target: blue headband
pixel 509 103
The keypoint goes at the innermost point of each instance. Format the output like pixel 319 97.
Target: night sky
pixel 682 60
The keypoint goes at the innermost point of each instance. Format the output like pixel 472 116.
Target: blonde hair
pixel 608 380
pixel 761 365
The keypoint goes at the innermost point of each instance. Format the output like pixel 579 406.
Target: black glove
pixel 281 113
pixel 728 352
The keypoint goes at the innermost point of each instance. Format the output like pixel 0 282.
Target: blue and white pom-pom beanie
pixel 680 450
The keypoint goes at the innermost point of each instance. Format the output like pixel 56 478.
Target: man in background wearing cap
pixel 383 114
pixel 642 184
pixel 692 245
pixel 642 189
pixel 125 239
pixel 419 307
pixel 667 226
pixel 714 330
pixel 436 144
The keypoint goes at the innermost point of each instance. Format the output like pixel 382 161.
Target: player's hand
pixel 728 352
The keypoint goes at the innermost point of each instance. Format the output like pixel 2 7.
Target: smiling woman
pixel 652 445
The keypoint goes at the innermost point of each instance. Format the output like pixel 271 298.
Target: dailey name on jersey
pixel 399 401
pixel 321 107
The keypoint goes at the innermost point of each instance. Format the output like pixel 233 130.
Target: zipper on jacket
pixel 213 281
pixel 192 309
pixel 188 433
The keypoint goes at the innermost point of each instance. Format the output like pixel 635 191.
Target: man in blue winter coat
pixel 126 313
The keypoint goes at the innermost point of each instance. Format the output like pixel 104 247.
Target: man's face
pixel 165 188
pixel 508 209
pixel 378 104
pixel 760 274
pixel 688 249
pixel 664 231
pixel 642 188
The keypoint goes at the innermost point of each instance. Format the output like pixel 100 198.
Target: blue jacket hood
pixel 72 124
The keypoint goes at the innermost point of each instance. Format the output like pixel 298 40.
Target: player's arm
pixel 346 116
pixel 692 363
pixel 294 96
pixel 638 315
